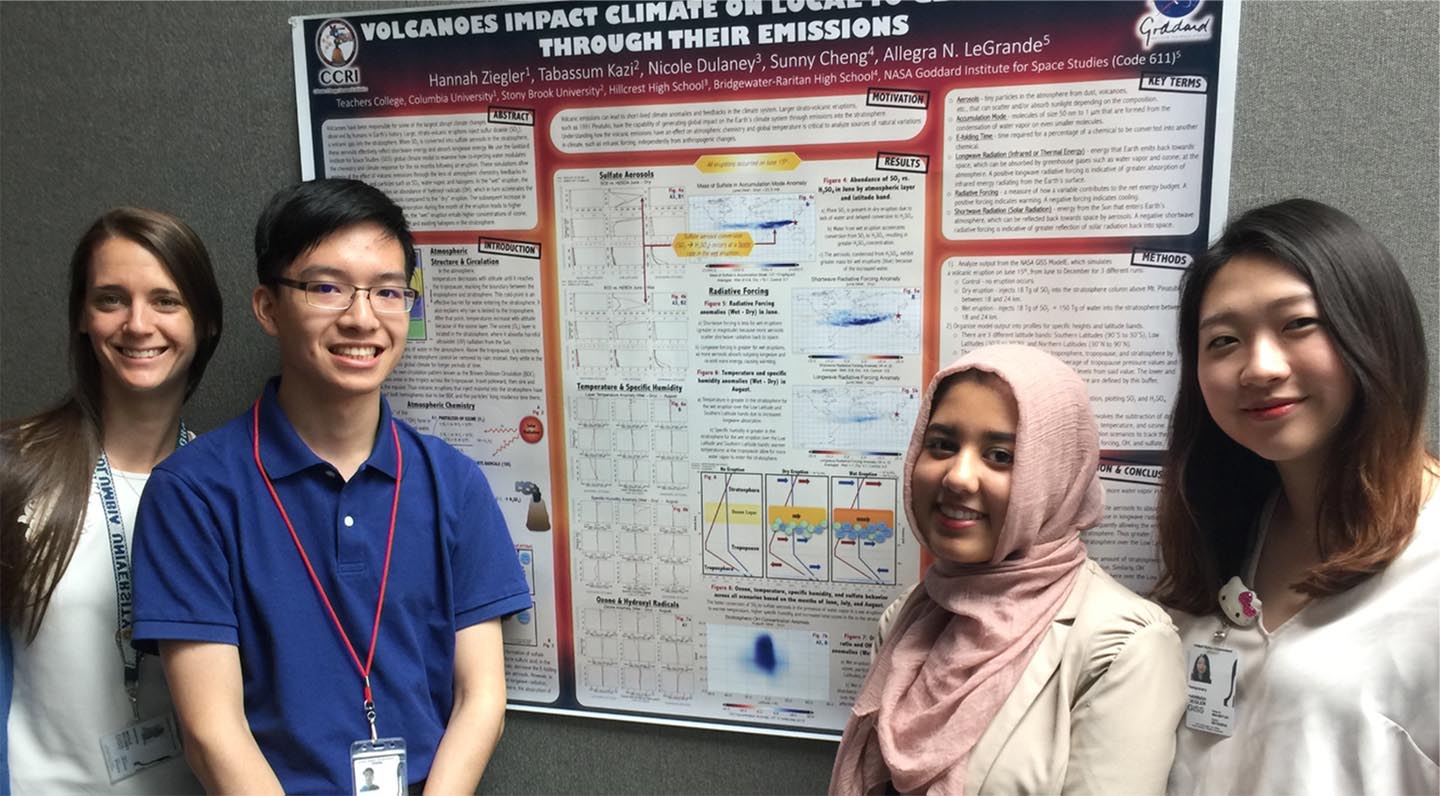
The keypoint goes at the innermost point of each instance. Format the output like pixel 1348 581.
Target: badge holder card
pixel 1211 707
pixel 140 746
pixel 378 767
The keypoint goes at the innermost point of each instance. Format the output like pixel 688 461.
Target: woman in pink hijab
pixel 1016 665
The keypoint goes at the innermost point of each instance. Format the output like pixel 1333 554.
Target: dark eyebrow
pixel 121 289
pixel 1229 316
pixel 329 273
pixel 989 436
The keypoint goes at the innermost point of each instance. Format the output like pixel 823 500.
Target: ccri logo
pixel 337 45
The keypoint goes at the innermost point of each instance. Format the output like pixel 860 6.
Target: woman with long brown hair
pixel 1299 529
pixel 144 320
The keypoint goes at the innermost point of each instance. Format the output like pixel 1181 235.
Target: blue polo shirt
pixel 214 562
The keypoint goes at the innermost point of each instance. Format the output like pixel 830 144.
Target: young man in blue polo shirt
pixel 318 574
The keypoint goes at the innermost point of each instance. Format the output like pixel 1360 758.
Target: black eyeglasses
pixel 339 295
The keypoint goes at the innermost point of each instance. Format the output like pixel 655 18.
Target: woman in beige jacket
pixel 1016 665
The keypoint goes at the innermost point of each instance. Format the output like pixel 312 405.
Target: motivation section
pixel 1106 158
pixel 694 125
pixel 455 172
pixel 1110 319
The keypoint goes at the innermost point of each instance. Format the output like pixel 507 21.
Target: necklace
pixel 128 479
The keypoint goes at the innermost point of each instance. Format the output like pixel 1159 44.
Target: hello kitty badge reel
pixel 1239 605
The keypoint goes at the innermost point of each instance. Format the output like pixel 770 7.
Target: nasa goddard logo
pixel 337 45
pixel 1174 22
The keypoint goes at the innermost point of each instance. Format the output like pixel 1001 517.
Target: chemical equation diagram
pixel 857 322
pixel 864 530
pixel 479 440
pixel 624 308
pixel 732 535
pixel 874 421
pixel 797 525
pixel 772 230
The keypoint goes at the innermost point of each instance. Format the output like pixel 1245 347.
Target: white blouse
pixel 69 687
pixel 1343 698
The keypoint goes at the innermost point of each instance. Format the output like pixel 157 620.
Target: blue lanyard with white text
pixel 120 560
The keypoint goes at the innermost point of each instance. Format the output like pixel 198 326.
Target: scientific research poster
pixel 687 266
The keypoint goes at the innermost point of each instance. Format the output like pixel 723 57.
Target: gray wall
pixel 189 107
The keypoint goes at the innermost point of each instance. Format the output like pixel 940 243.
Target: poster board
pixel 687 266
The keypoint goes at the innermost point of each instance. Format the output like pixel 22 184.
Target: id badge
pixel 1211 681
pixel 378 767
pixel 142 745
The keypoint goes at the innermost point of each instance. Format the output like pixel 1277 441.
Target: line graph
pixel 640 440
pixel 633 545
pixel 731 532
pixel 624 301
pixel 643 655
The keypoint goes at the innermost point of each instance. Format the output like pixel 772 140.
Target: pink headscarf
pixel 961 643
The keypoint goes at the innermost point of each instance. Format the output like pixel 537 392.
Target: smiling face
pixel 1268 369
pixel 137 322
pixel 330 355
pixel 960 486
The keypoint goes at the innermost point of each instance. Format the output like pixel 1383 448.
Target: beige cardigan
pixel 1097 707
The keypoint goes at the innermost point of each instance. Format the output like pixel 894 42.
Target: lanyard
pixel 365 668
pixel 104 481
